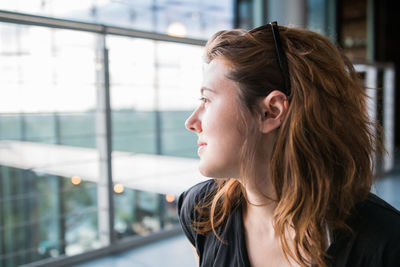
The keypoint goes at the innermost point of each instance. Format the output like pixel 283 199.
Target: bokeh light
pixel 169 198
pixel 176 29
pixel 119 188
pixel 76 180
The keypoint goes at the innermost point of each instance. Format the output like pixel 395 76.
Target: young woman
pixel 282 128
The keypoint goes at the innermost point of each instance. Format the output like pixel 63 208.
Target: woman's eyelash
pixel 203 99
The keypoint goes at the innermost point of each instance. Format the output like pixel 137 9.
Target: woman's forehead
pixel 218 63
pixel 215 74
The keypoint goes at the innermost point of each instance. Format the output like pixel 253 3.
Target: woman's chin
pixel 213 172
pixel 205 171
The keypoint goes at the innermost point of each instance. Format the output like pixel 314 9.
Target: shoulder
pixel 187 202
pixel 196 193
pixel 378 225
pixel 375 240
pixel 377 217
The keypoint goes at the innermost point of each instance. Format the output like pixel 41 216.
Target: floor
pixel 176 252
pixel 171 252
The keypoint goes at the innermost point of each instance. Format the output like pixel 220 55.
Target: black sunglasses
pixel 279 53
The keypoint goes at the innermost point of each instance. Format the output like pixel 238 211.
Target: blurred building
pixel 93 99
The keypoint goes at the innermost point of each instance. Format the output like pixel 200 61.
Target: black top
pixel 375 242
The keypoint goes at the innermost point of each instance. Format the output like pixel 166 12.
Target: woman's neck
pixel 259 208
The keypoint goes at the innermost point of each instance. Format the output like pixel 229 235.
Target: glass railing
pixel 52 165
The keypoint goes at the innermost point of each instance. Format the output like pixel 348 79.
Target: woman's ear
pixel 274 108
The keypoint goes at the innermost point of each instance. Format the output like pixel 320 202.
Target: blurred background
pixel 93 99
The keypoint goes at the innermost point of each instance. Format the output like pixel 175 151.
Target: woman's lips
pixel 201 145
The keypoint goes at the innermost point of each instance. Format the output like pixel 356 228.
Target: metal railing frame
pixel 33 20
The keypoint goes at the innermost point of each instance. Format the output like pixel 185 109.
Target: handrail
pixel 27 19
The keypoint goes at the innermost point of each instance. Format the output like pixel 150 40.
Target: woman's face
pixel 216 123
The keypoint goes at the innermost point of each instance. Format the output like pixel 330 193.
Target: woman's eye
pixel 203 99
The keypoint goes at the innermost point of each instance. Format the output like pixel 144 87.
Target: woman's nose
pixel 193 123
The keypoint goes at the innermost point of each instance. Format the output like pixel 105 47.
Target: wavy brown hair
pixel 321 164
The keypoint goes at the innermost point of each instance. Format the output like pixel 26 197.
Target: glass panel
pixel 179 91
pixel 44 216
pixel 77 129
pixel 154 87
pixel 48 189
pixel 191 18
pixel 132 94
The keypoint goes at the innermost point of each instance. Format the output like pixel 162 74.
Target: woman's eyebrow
pixel 206 89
